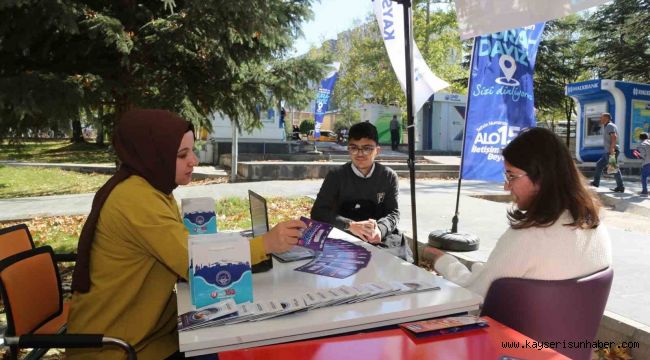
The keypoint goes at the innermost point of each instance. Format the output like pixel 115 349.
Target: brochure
pixel 442 326
pixel 221 269
pixel 313 237
pixel 199 215
pixel 201 317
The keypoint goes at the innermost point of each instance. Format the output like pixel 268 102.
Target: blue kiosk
pixel 629 104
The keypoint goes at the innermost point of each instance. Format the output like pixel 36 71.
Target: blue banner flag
pixel 500 101
pixel 323 98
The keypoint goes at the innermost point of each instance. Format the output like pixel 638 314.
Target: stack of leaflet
pixel 311 300
pixel 220 264
pixel 199 216
pixel 338 259
pixel 209 316
pixel 221 269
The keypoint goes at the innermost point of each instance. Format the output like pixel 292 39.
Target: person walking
pixel 394 133
pixel 610 144
pixel 643 152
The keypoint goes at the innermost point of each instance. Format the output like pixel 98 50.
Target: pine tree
pixel 620 36
pixel 58 58
pixel 561 60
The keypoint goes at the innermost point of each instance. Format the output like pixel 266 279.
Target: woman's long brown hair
pixel 548 163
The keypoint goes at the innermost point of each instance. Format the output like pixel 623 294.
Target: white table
pixel 282 281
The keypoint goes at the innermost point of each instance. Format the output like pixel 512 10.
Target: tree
pixel 367 74
pixel 57 58
pixel 436 34
pixel 620 36
pixel 561 60
pixel 306 126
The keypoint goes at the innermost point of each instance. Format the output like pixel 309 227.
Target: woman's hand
pixel 283 236
pixel 434 254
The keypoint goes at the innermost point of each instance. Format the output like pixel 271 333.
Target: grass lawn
pixel 27 181
pixel 55 151
pixel 62 232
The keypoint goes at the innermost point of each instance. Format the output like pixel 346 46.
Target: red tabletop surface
pixel 485 343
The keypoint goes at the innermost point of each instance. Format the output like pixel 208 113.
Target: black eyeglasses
pixel 365 150
pixel 508 177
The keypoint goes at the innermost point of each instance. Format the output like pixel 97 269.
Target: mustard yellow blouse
pixel 139 251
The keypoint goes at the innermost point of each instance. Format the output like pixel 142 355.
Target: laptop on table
pixel 260 226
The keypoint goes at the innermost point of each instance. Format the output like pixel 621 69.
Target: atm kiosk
pixel 629 105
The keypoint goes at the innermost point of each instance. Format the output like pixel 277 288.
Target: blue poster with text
pixel 501 102
pixel 323 98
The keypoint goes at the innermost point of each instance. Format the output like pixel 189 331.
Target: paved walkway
pixel 435 206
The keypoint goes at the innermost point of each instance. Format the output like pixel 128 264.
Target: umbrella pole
pixel 408 52
pixel 454 220
pixel 452 240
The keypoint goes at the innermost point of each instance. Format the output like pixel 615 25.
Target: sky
pixel 330 18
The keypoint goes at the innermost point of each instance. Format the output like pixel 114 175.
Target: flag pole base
pixel 453 241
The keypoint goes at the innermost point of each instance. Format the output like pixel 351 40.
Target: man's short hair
pixel 643 136
pixel 363 130
pixel 609 116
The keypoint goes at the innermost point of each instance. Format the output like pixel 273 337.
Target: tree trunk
pixel 77 136
pixel 100 125
pixel 426 27
pixel 568 110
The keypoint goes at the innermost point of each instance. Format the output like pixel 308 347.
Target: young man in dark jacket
pixel 360 196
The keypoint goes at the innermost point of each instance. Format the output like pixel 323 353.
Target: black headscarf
pixel 146 142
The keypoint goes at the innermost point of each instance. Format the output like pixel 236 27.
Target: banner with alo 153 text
pixel 390 17
pixel 500 101
pixel 323 97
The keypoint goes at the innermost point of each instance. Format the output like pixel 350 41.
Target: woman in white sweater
pixel 555 231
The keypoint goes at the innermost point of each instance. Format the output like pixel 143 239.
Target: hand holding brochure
pixel 313 237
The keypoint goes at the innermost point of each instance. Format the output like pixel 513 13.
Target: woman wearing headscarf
pixel 555 229
pixel 133 246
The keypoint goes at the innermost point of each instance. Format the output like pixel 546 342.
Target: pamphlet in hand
pixel 448 325
pixel 313 237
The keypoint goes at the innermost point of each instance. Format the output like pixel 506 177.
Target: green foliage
pixel 347 118
pixel 61 57
pixel 620 40
pixel 438 39
pixel 306 126
pixel 367 74
pixel 561 60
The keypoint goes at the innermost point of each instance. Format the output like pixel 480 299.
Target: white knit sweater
pixel 556 252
